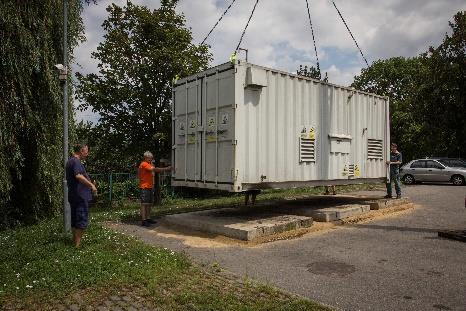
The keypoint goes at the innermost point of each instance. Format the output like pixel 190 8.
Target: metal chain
pixel 313 38
pixel 218 21
pixel 244 31
pixel 344 22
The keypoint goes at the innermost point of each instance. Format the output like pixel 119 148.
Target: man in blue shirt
pixel 79 191
pixel 394 163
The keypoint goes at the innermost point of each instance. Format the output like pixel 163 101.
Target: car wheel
pixel 457 180
pixel 408 179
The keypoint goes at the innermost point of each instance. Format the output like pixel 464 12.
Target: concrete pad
pixel 336 213
pixel 239 223
pixel 385 203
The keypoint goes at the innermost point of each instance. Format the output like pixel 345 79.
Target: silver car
pixel 434 170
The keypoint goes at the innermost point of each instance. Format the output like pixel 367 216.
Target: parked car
pixel 452 162
pixel 434 170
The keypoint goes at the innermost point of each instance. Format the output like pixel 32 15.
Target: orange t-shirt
pixel 146 180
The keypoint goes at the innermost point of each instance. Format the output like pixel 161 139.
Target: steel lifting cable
pixel 247 24
pixel 313 38
pixel 228 8
pixel 344 22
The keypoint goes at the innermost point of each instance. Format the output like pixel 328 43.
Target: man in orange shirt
pixel 146 183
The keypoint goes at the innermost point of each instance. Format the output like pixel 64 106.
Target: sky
pixel 279 35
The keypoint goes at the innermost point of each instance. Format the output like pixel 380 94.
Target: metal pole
pixel 66 206
pixel 110 188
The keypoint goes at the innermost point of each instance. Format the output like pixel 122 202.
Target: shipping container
pixel 239 127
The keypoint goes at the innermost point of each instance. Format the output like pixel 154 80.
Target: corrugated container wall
pixel 240 126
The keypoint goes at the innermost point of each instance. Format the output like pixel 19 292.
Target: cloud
pixel 279 34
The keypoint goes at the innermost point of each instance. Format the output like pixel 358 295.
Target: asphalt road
pixel 394 263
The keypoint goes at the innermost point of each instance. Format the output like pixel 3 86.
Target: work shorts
pixel 79 214
pixel 147 196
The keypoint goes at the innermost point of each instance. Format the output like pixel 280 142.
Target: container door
pixel 218 125
pixel 340 141
pixel 194 131
pixel 187 138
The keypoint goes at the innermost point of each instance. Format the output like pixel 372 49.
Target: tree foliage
pixel 397 78
pixel 441 96
pixel 142 52
pixel 309 72
pixel 103 155
pixel 31 43
pixel 428 96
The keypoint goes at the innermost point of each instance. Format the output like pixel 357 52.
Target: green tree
pixel 31 106
pixel 428 96
pixel 397 78
pixel 441 96
pixel 309 72
pixel 103 156
pixel 142 53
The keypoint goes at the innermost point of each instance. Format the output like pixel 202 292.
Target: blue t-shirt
pixel 76 190
pixel 395 157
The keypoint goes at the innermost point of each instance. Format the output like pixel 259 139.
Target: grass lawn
pixel 40 269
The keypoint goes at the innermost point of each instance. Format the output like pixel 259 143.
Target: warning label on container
pixel 225 118
pixel 211 135
pixel 308 133
pixel 192 139
pixel 211 138
pixel 357 172
pixel 211 122
pixel 345 171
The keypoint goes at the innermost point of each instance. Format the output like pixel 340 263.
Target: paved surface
pixel 394 263
pixel 126 300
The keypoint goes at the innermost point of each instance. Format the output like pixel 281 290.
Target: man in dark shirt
pixel 79 191
pixel 394 163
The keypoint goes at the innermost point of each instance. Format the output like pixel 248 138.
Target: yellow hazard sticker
pixel 191 139
pixel 305 134
pixel 211 138
pixel 357 172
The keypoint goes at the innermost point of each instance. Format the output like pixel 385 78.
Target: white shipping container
pixel 239 127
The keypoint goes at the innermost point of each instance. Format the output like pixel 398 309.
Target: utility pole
pixel 66 206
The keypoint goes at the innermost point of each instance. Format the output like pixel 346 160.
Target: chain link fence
pixel 117 187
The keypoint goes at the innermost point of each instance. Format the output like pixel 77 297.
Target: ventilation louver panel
pixel 307 149
pixel 375 149
pixel 351 170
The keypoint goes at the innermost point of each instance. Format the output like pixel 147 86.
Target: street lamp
pixel 62 71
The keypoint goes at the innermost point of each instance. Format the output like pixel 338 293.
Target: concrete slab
pixel 239 223
pixel 337 212
pixel 267 218
pixel 385 203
